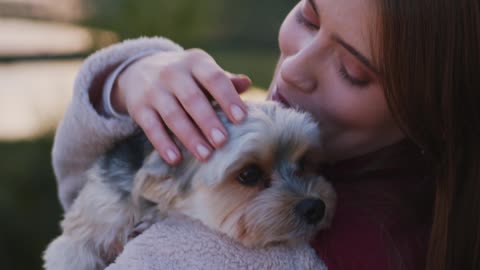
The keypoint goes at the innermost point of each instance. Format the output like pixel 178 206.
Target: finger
pixel 240 82
pixel 155 131
pixel 200 110
pixel 216 82
pixel 177 120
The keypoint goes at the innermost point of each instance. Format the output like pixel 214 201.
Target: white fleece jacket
pixel 175 243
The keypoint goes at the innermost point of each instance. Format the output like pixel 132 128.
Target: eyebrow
pixel 355 53
pixel 347 46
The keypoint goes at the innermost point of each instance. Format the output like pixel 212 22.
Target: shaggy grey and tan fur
pixel 259 189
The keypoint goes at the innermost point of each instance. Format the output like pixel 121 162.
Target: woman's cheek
pixel 336 103
pixel 351 108
pixel 290 35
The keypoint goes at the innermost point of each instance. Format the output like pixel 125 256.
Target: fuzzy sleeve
pixel 179 243
pixel 85 132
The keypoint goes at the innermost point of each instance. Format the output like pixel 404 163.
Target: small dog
pixel 259 188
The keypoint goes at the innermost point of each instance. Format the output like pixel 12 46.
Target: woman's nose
pixel 298 71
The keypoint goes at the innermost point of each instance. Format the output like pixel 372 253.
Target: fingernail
pixel 172 156
pixel 202 151
pixel 217 136
pixel 237 113
pixel 243 76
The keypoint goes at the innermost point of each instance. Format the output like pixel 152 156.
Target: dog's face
pixel 260 188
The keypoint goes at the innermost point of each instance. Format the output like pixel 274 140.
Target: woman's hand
pixel 172 90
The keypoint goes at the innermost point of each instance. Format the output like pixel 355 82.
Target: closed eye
pixel 307 15
pixel 303 21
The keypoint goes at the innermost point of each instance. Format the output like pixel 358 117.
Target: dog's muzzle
pixel 311 210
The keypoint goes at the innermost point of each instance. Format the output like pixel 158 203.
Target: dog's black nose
pixel 312 210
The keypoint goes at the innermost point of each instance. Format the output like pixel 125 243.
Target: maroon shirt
pixel 384 211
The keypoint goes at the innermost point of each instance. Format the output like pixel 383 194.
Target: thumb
pixel 241 82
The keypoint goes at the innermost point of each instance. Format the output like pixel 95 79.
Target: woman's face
pixel 326 68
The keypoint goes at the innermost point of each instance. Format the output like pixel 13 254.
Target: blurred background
pixel 42 45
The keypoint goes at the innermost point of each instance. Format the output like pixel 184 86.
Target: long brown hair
pixel 430 59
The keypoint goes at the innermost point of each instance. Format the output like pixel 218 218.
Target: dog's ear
pixel 150 181
pixel 156 167
pixel 160 182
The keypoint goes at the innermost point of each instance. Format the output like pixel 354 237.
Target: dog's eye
pixel 250 176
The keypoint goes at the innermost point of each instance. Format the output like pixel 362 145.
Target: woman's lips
pixel 276 96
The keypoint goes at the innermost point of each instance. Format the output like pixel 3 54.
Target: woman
pixel 394 85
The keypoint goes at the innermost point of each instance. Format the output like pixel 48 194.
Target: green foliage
pixel 200 23
pixel 151 17
pixel 254 23
pixel 257 64
pixel 29 207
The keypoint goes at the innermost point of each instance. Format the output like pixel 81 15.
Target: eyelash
pixel 353 81
pixel 342 70
pixel 301 20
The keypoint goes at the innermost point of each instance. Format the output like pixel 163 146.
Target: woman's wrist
pixel 113 95
pixel 117 99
